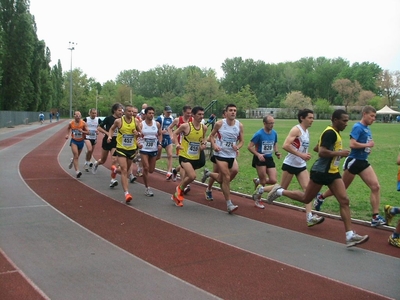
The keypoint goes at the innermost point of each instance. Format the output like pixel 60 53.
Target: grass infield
pixel 382 158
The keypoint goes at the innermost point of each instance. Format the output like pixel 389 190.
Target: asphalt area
pixel 68 238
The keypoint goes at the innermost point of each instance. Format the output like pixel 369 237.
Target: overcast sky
pixel 118 35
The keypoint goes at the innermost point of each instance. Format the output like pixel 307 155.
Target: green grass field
pixel 382 158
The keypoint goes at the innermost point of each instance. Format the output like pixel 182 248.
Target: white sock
pixel 279 191
pixel 349 234
pixel 309 216
pixel 228 202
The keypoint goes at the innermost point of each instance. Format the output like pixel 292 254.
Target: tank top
pixel 329 164
pixel 191 143
pixel 180 122
pixel 301 144
pixel 150 137
pixel 126 139
pixel 76 134
pixel 92 126
pixel 227 137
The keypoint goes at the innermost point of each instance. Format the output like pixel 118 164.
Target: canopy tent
pixel 386 110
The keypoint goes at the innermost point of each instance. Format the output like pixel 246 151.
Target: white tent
pixel 386 110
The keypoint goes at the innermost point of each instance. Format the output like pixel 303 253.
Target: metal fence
pixel 13 118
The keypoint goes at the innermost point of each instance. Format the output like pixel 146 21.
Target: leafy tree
pixel 296 101
pixel 364 97
pixel 389 84
pixel 322 107
pixel 347 90
pixel 244 100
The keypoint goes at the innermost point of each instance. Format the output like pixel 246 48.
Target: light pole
pixel 71 47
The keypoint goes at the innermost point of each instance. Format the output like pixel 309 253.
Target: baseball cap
pixel 168 109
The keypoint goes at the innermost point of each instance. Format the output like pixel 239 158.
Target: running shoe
pixel 356 240
pixel 256 182
pixel 139 172
pixel 79 174
pixel 71 163
pixel 174 175
pixel 132 178
pixel 95 166
pixel 186 189
pixel 86 167
pixel 113 172
pixel 259 205
pixel 315 220
pixel 318 201
pixel 168 176
pixel 231 208
pixel 388 215
pixel 114 183
pixel 206 174
pixel 377 221
pixel 258 193
pixel 209 196
pixel 179 193
pixel 394 241
pixel 90 165
pixel 272 195
pixel 128 198
pixel 176 200
pixel 148 192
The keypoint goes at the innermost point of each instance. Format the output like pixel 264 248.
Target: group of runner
pixel 128 134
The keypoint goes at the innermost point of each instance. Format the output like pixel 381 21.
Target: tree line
pixel 28 82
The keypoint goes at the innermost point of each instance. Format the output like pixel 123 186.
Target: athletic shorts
pixel 93 142
pixel 79 144
pixel 293 170
pixel 109 146
pixel 355 166
pixel 166 141
pixel 125 153
pixel 229 160
pixel 324 178
pixel 269 162
pixel 196 163
pixel 151 154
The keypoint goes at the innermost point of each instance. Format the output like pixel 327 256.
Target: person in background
pixel 108 147
pixel 165 120
pixel 93 123
pixel 190 146
pixel 325 171
pixel 356 163
pixel 263 145
pixel 41 118
pixel 77 129
pixel 150 145
pixel 176 123
pixel 128 129
pixel 226 139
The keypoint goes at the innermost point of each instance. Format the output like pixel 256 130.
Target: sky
pixel 113 36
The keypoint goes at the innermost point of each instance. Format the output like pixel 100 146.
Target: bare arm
pixel 117 124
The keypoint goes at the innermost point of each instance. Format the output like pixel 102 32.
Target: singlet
pixel 150 137
pixel 106 124
pixel 265 141
pixel 92 126
pixel 75 133
pixel 361 134
pixel 226 138
pixel 301 144
pixel 180 122
pixel 191 142
pixel 331 140
pixel 126 139
pixel 164 122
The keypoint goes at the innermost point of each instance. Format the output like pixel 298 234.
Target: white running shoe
pixel 315 220
pixel 132 178
pixel 272 195
pixel 356 240
pixel 256 182
pixel 114 183
pixel 231 208
pixel 259 205
pixel 258 193
pixel 86 167
pixel 71 163
pixel 206 174
pixel 148 192
pixel 95 166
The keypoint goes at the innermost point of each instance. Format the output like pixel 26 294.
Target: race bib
pixel 228 143
pixel 127 140
pixel 267 147
pixel 149 144
pixel 193 148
